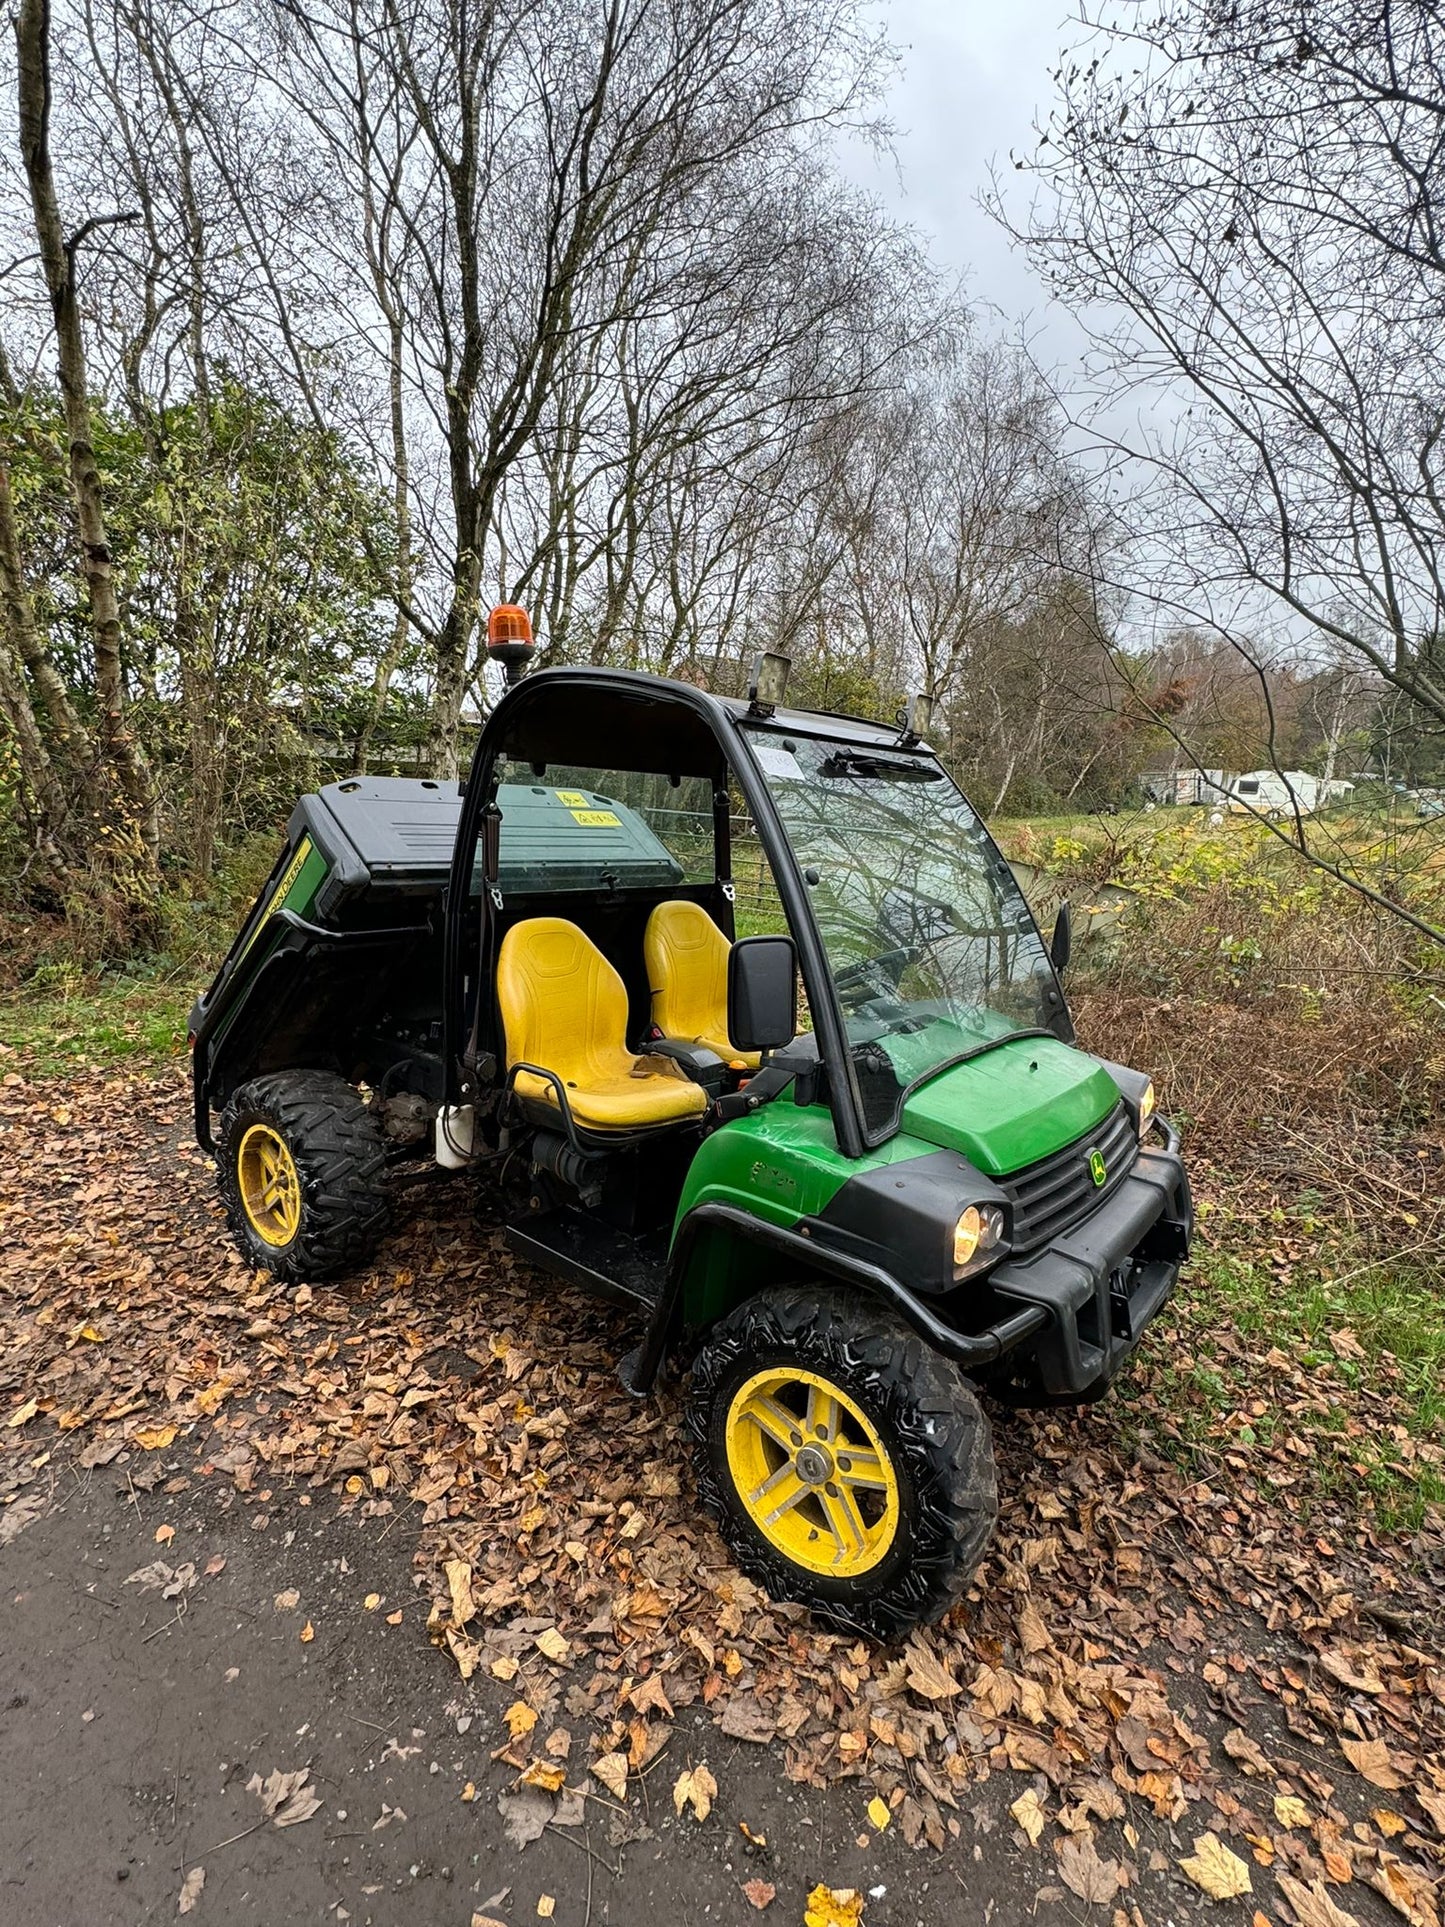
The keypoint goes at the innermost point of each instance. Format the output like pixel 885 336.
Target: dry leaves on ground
pixel 1146 1621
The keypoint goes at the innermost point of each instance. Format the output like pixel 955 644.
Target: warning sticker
pixel 574 799
pixel 597 819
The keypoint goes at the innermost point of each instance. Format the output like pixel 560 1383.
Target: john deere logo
pixel 1098 1170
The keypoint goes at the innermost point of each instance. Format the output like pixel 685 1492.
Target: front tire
pixel 849 1467
pixel 302 1170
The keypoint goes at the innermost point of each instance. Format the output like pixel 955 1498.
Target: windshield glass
pixel 931 946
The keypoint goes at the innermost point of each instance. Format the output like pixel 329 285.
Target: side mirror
pixel 1061 944
pixel 762 993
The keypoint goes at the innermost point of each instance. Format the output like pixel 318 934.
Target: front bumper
pixel 1102 1280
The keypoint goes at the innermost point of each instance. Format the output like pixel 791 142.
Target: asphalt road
pixel 130 1725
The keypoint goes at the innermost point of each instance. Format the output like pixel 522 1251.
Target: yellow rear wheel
pixel 269 1186
pixel 811 1472
pixel 302 1166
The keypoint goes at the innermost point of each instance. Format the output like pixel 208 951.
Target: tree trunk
pixel 118 747
pixel 66 729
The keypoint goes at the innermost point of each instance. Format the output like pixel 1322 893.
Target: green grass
pixel 1222 1406
pixel 63 1022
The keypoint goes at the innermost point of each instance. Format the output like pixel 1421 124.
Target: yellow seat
pixel 564 1008
pixel 687 968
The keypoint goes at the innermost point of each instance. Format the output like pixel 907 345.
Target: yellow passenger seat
pixel 564 1009
pixel 687 968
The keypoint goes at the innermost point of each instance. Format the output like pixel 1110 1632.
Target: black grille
pixel 1049 1196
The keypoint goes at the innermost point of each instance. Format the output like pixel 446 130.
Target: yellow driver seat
pixel 564 1008
pixel 687 968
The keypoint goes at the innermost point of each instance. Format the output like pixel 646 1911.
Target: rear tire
pixel 904 1430
pixel 302 1171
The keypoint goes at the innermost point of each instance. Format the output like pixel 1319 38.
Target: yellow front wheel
pixel 811 1472
pixel 849 1466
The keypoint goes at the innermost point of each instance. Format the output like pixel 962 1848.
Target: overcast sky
pixel 974 77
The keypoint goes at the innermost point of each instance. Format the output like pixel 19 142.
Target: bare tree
pixel 1245 202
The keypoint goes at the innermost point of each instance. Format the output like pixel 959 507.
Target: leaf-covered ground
pixel 1204 1657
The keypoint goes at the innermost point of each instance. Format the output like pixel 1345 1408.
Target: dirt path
pixel 1166 1682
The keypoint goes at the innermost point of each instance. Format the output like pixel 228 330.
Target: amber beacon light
pixel 509 639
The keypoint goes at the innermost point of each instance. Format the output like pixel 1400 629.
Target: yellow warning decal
pixel 574 799
pixel 597 819
pixel 293 870
pixel 280 893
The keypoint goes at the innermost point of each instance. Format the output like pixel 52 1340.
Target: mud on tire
pixel 927 1417
pixel 339 1155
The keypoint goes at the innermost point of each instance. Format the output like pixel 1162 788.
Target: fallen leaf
pixel 307 1634
pixel 23 1414
pixel 1028 1810
pixel 760 1893
pixel 154 1439
pixel 288 1601
pixel 1084 1873
pixel 286 1799
pixel 1313 1905
pixel 487 1920
pixel 553 1646
pixel 650 1697
pixel 546 1907
pixel 1215 1870
pixel 1239 1746
pixel 695 1788
pixel 191 1890
pixel 1433 1803
pixel 504 1668
pixel 745 1719
pixel 459 1585
pixel 833 1907
pixel 23 1512
pixel 1408 1891
pixel 520 1719
pixel 1033 1633
pixel 1290 1811
pixel 611 1770
pixel 928 1677
pixel 371 1601
pixel 525 1814
pixel 550 1778
pixel 164 1535
pixel 1372 1759
pixel 878 1813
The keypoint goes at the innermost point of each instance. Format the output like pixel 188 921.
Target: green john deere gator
pixel 849 1214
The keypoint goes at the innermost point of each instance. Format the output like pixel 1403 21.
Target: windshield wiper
pixel 863 762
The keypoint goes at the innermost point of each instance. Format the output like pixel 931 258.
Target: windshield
pixel 932 949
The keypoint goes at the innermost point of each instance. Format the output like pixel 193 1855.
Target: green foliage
pixel 252 560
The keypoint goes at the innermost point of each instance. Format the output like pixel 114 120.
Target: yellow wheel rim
pixel 811 1472
pixel 270 1188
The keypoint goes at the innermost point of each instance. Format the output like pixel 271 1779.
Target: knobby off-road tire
pixel 930 1533
pixel 318 1205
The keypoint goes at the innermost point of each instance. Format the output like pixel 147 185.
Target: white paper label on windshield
pixel 777 761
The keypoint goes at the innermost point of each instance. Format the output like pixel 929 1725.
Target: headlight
pixel 978 1231
pixel 1146 1108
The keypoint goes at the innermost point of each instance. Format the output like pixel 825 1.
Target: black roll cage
pixel 723 717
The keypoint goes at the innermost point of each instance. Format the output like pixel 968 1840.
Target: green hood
pixel 1013 1104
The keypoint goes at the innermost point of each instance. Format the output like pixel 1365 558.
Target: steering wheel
pixel 886 968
